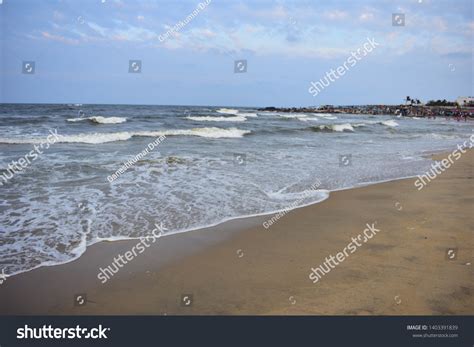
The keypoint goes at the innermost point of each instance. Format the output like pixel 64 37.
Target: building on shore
pixel 465 100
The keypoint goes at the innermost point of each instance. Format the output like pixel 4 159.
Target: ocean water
pixel 215 164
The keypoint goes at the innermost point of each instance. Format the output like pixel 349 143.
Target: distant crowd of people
pixel 429 113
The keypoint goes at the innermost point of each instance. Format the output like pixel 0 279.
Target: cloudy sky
pixel 81 50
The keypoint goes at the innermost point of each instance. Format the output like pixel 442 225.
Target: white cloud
pixel 98 29
pixel 292 31
pixel 59 38
pixel 335 15
pixel 366 16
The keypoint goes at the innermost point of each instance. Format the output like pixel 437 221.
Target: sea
pixel 213 164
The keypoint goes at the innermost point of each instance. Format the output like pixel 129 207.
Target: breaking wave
pixel 227 111
pixel 389 123
pixel 334 127
pixel 238 118
pixel 100 120
pixel 96 138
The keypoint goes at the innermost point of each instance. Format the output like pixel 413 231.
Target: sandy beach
pixel 240 267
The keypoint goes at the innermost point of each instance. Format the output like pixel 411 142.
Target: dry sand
pixel 242 268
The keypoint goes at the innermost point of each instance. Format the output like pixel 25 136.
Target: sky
pixel 82 50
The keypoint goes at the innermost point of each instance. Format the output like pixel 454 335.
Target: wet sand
pixel 240 267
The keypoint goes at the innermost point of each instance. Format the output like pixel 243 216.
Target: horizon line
pixel 183 105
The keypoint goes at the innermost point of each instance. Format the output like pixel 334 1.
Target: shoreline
pixel 427 155
pixel 79 274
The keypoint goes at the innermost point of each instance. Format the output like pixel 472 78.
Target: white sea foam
pixel 100 120
pixel 325 115
pixel 269 113
pixel 337 127
pixel 238 118
pixel 203 132
pixel 390 123
pixel 299 116
pixel 251 115
pixel 293 115
pixel 342 127
pixel 227 111
pixel 317 195
pixel 351 126
pixel 95 138
pixel 306 119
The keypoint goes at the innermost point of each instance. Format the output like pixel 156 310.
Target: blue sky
pixel 82 49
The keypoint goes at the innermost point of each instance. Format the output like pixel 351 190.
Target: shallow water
pixel 215 164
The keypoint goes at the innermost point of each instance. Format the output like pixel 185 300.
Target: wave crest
pixel 202 132
pixel 227 111
pixel 100 120
pixel 96 138
pixel 334 127
pixel 389 123
pixel 238 118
